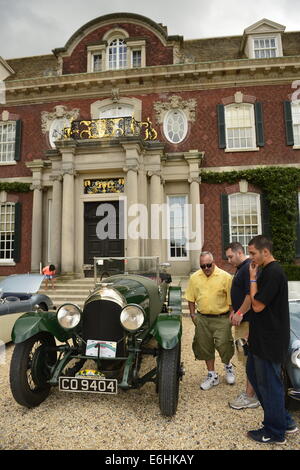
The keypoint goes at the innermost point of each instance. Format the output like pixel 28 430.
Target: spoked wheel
pixel 30 369
pixel 169 374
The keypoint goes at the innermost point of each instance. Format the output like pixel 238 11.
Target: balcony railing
pixel 115 127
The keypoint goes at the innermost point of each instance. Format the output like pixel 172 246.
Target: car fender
pixel 31 323
pixel 38 299
pixel 168 327
pixel 167 330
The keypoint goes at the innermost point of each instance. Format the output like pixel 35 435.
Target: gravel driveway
pixel 131 420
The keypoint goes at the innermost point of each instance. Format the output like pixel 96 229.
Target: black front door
pixel 103 226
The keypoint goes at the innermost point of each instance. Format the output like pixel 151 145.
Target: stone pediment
pixel 264 26
pixel 5 69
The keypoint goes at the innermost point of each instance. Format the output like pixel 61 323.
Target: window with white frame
pixel 136 58
pixel 295 108
pixel 244 217
pixel 97 62
pixel 265 48
pixel 7 141
pixel 117 54
pixel 7 231
pixel 240 126
pixel 178 227
pixel 175 126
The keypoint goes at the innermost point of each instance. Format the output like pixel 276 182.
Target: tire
pixel 30 369
pixel 168 379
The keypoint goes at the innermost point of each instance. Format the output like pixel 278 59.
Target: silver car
pixel 18 294
pixel 293 361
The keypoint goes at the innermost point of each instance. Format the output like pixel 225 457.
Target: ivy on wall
pixel 280 186
pixel 15 187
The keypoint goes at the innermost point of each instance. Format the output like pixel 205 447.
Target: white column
pixel 56 222
pixel 68 224
pixel 155 207
pixel 195 221
pixel 132 198
pixel 37 223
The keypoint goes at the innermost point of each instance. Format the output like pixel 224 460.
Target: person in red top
pixel 49 273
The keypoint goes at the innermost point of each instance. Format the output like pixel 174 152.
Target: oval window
pixel 175 126
pixel 56 130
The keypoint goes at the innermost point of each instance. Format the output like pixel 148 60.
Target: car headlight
pixel 132 317
pixel 68 316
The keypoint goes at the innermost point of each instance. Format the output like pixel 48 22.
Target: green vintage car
pixel 126 318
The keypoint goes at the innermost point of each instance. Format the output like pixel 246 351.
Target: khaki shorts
pixel 241 331
pixel 211 334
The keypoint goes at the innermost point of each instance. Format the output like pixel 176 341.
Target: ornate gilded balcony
pixel 110 127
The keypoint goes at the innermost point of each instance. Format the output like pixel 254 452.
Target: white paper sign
pixel 100 349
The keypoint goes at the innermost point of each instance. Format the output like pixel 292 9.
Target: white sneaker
pixel 211 380
pixel 243 401
pixel 230 376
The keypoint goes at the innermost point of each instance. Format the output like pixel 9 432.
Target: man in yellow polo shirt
pixel 208 296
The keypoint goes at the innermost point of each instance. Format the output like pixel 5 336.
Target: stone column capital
pixel 69 171
pixel 194 180
pixel 134 168
pixel 56 178
pixel 37 186
pixel 154 173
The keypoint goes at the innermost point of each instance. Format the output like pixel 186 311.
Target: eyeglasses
pixel 204 266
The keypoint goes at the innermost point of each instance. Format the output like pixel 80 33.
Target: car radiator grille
pixel 101 321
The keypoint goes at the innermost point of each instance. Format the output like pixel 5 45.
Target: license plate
pixel 88 384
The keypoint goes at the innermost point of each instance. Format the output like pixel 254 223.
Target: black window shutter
pixel 259 124
pixel 265 217
pixel 17 235
pixel 18 140
pixel 221 126
pixel 289 132
pixel 225 223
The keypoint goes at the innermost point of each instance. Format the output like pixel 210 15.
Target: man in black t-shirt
pixel 268 341
pixel 241 303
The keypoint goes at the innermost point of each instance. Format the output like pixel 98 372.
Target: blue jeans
pixel 265 377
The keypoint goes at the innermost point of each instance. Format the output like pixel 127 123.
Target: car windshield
pixel 143 265
pixel 21 283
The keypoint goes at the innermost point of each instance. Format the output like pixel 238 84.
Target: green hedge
pixel 292 271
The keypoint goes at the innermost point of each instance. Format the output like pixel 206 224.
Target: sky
pixel 35 27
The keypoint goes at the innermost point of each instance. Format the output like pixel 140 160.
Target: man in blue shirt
pixel 241 303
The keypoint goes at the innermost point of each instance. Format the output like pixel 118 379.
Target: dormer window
pixel 262 40
pixel 116 51
pixel 264 48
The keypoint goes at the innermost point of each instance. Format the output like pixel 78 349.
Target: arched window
pixel 175 126
pixel 115 111
pixel 117 54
